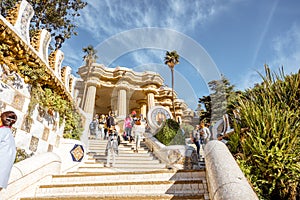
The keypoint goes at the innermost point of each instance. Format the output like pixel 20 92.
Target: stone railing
pixel 174 156
pixel 26 174
pixel 224 177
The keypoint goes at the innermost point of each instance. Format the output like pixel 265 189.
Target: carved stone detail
pixel 34 144
pixel 20 17
pixel 40 42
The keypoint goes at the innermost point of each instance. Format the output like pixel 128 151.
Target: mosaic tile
pixel 45 134
pixel 33 144
pixel 18 101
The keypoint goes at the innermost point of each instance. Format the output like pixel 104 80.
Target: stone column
pixel 122 102
pixel 143 107
pixel 150 98
pixel 144 110
pixel 89 105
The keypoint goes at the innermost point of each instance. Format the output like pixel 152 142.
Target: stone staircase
pixel 127 160
pixel 134 176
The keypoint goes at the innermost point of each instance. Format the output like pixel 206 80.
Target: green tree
pixel 90 57
pixel 216 104
pixel 172 59
pixel 56 16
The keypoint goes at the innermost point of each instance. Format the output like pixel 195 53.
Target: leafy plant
pixel 55 16
pixel 269 152
pixel 51 101
pixel 170 134
pixel 21 155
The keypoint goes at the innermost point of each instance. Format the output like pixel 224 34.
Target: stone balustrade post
pixel 225 178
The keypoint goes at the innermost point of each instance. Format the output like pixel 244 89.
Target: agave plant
pixel 270 148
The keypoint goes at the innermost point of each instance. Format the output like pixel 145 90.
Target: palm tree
pixel 172 59
pixel 90 57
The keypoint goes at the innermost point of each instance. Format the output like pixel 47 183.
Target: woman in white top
pixel 7 147
pixel 138 130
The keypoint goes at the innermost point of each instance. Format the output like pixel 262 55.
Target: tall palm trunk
pixel 172 73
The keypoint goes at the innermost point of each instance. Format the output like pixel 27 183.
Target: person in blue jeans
pixel 196 139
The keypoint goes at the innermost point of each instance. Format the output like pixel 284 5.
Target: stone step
pixel 121 197
pixel 124 166
pixel 121 149
pixel 122 157
pixel 173 187
pixel 104 177
pixel 129 161
pixel 124 153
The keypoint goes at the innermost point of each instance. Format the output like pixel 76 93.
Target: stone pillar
pixel 143 107
pixel 89 105
pixel 144 110
pixel 150 97
pixel 122 103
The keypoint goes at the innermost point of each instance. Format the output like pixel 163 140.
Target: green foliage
pixel 21 155
pixel 216 103
pixel 269 151
pixel 51 101
pixel 171 58
pixel 170 134
pixel 188 129
pixel 73 125
pixel 55 16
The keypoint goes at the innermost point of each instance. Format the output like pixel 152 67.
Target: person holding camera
pixel 112 148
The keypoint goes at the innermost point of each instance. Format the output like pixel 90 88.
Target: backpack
pixel 92 125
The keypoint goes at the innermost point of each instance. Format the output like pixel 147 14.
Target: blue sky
pixel 230 37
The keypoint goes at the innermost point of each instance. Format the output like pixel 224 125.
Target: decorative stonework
pixel 2 106
pixel 46 134
pixel 24 60
pixel 156 116
pixel 18 102
pixel 40 42
pixel 23 21
pixel 57 141
pixel 26 124
pixel 50 148
pixel 33 144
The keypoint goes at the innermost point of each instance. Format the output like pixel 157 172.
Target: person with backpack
pixel 127 127
pixel 196 139
pixel 110 122
pixel 93 127
pixel 111 150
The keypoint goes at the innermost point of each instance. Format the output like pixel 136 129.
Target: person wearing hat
pixel 7 147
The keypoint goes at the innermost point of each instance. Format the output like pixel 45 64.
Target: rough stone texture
pixel 225 178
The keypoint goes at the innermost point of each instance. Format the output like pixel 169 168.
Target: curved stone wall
pixel 225 178
pixel 27 173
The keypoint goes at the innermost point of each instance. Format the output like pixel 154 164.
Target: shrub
pixel 170 134
pixel 269 148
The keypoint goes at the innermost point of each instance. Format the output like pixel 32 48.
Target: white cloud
pixel 286 53
pixel 106 18
pixel 287 50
